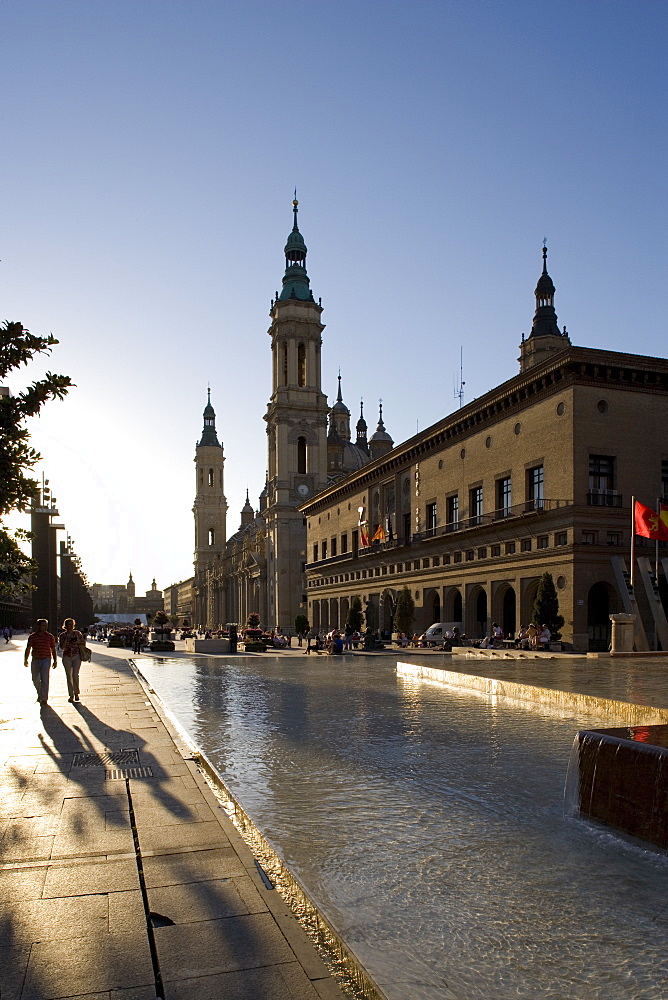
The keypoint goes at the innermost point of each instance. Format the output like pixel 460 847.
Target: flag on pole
pixel 663 513
pixel 649 524
pixel 379 535
pixel 363 528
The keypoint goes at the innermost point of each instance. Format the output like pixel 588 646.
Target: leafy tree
pixel 253 620
pixel 18 347
pixel 404 612
pixel 546 606
pixel 160 619
pixel 355 615
pixel 301 624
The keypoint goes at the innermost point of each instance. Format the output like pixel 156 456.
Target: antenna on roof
pixel 459 386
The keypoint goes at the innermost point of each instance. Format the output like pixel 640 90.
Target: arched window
pixel 301 454
pixel 285 364
pixel 301 364
pixel 212 536
pixel 210 477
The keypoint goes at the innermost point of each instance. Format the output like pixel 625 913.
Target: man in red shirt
pixel 43 647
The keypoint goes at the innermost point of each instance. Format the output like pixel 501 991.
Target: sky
pixel 151 150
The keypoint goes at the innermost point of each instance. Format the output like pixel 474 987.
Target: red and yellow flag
pixel 379 535
pixel 649 524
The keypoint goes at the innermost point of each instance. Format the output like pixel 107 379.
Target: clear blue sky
pixel 150 153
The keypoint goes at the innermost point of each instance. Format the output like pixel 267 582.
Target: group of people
pixel 533 637
pixel 41 649
pixel 334 642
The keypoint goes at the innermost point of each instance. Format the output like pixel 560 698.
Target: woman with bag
pixel 71 643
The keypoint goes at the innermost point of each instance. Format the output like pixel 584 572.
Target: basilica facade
pixel 261 567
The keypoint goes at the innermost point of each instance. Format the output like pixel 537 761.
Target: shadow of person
pixel 129 739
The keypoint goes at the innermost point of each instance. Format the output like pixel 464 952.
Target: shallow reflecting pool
pixel 429 824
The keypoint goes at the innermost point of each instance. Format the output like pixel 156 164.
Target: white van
pixel 435 634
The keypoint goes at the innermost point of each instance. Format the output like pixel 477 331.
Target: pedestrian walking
pixel 70 641
pixel 6 633
pixel 42 645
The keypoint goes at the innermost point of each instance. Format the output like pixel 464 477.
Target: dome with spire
pixel 380 442
pixel 545 338
pixel 343 455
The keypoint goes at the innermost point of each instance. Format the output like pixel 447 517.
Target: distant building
pixel 151 603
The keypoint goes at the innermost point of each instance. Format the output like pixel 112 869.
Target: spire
pixel 247 512
pixel 380 442
pixel 361 441
pixel 545 318
pixel 339 397
pixel 209 437
pixel 295 280
pixel 545 338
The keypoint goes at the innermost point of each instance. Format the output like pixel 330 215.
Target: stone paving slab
pixel 72 918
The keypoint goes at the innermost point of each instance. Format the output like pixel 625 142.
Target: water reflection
pixel 429 824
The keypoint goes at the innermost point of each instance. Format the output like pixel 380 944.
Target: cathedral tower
pixel 296 432
pixel 210 509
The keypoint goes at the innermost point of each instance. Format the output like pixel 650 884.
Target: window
pixel 470 555
pixel 542 542
pixel 526 545
pixel 614 538
pixel 510 548
pixel 344 543
pixel 212 536
pixel 446 560
pixel 458 557
pixel 407 526
pixel 334 546
pixel 210 477
pixel 425 564
pixel 475 505
pixel 301 365
pixel 503 496
pixel 452 512
pixel 535 487
pixel 285 364
pixel 561 538
pixel 301 455
pixel 436 561
pixel 589 537
pixel 431 518
pixel 315 552
pixel 482 552
pixel 496 550
pixel 324 549
pixel 601 472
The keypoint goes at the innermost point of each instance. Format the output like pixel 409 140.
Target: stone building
pixel 150 603
pixel 535 475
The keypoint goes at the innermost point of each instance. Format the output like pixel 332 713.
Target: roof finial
pixel 339 398
pixel 295 209
pixel 545 255
pixel 208 393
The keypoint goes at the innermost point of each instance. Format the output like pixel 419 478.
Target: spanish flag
pixel 663 513
pixel 649 524
pixel 379 536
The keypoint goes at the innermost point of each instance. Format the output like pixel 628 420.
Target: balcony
pixel 604 498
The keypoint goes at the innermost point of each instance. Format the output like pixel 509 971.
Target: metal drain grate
pixel 130 758
pixel 128 772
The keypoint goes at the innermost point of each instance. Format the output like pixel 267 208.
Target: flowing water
pixel 429 824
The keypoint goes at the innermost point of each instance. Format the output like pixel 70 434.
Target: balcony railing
pixel 604 498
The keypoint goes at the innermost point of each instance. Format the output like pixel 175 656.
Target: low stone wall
pixel 207 645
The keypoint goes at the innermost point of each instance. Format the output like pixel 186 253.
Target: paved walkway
pixel 120 889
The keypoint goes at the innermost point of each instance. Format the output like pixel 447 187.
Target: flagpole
pixel 656 553
pixel 633 539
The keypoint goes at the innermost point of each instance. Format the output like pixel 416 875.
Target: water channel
pixel 429 824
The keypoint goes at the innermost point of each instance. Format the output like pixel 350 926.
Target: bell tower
pixel 209 509
pixel 545 338
pixel 296 431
